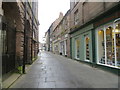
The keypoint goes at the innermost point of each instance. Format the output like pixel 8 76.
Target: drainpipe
pixel 24 55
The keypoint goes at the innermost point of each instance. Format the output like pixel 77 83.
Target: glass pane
pixel 110 46
pixel 87 48
pixel 77 48
pixel 117 34
pixel 101 47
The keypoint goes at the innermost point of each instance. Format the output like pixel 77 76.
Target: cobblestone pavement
pixel 55 71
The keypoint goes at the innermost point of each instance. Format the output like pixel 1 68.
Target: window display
pixel 117 35
pixel 77 48
pixel 87 39
pixel 108 45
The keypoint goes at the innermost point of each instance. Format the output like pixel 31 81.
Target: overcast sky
pixel 48 11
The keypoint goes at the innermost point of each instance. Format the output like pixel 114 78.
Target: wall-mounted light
pixel 117 30
pixel 117 25
pixel 100 31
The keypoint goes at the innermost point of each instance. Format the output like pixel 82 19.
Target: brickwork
pixel 14 17
pixel 88 11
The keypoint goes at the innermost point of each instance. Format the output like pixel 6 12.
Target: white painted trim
pixel 115 45
pixel 87 35
pixel 87 60
pixel 105 44
pixel 109 65
pixel 97 42
pixel 96 35
pixel 65 42
pixel 108 25
pixel 113 25
pixel 78 38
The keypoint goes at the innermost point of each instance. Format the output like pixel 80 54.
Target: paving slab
pixel 55 71
pixel 10 80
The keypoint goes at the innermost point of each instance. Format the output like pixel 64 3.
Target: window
pixel 87 49
pixel 108 45
pixel 76 17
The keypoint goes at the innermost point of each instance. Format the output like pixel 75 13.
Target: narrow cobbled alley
pixel 55 71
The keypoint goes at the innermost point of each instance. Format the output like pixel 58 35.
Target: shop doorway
pixel 87 48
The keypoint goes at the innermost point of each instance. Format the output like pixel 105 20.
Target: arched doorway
pixel 28 43
pixel 11 38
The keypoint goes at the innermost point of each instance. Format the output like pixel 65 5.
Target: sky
pixel 48 12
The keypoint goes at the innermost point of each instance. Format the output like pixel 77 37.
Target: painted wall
pixel 81 35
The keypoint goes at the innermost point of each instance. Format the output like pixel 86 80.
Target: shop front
pixel 56 46
pixel 81 44
pixel 63 47
pixel 108 44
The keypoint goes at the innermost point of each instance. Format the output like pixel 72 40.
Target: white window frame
pixel 78 38
pixel 65 42
pixel 100 28
pixel 104 27
pixel 87 35
pixel 114 25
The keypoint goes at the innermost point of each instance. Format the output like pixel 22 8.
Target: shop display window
pixel 117 36
pixel 87 40
pixel 108 45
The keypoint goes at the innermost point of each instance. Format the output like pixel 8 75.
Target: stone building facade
pixel 47 38
pixel 51 34
pixel 19 34
pixel 94 32
pixel 59 38
pixel 64 43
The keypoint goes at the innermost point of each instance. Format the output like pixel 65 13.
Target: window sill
pixel 109 65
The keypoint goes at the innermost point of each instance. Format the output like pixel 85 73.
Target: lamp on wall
pixel 100 31
pixel 117 31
